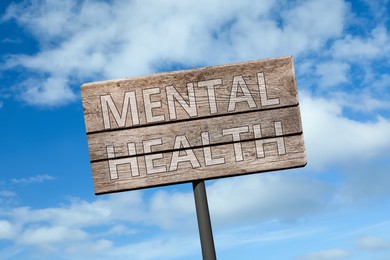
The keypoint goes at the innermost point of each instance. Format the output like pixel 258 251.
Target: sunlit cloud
pixel 33 179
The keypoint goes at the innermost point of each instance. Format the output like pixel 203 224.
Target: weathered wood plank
pixel 189 94
pixel 196 124
pixel 212 129
pixel 192 164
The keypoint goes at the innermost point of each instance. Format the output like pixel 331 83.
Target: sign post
pixel 193 125
pixel 204 223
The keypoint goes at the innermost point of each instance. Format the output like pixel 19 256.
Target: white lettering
pixel 209 160
pixel 246 97
pixel 182 142
pixel 150 158
pixel 114 163
pixel 211 92
pixel 149 105
pixel 173 94
pixel 235 132
pixel 278 140
pixel 263 92
pixel 184 153
pixel 107 103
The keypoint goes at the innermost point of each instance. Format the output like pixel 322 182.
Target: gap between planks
pixel 189 119
pixel 197 147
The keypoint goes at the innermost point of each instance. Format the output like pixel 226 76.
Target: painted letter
pixel 211 92
pixel 107 103
pixel 149 158
pixel 278 140
pixel 113 163
pixel 207 151
pixel 182 142
pixel 246 97
pixel 149 105
pixel 173 94
pixel 263 92
pixel 235 132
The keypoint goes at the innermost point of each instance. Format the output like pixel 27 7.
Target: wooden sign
pixel 197 124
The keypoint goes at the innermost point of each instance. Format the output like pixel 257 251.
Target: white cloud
pixel 11 41
pixel 52 91
pixel 169 210
pixel 48 235
pixel 266 197
pixel 382 82
pixel 357 148
pixel 132 38
pixel 328 254
pixel 376 46
pixel 332 138
pixel 33 179
pixel 91 248
pixel 65 228
pixel 332 74
pixel 378 9
pixel 315 22
pixel 7 230
pixel 373 243
pixel 260 234
pixel 364 102
pixel 240 201
pixel 7 193
pixel 160 248
pixel 119 207
pixel 119 230
pixel 8 197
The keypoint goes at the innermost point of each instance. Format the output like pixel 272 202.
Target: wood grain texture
pixel 295 157
pixel 197 124
pixel 278 74
pixel 289 117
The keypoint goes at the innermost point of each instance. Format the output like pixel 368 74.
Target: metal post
pixel 204 224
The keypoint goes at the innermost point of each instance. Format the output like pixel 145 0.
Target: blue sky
pixel 337 207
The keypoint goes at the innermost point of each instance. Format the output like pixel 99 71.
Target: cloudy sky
pixel 337 207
